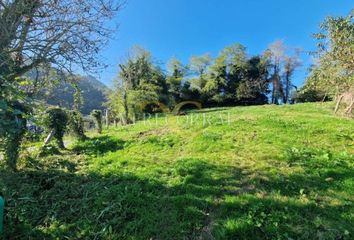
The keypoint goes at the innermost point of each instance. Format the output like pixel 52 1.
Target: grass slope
pixel 263 172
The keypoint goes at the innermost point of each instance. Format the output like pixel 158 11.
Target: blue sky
pixel 183 28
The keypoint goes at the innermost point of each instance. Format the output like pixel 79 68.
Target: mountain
pixel 93 93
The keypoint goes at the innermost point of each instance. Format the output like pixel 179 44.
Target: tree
pixel 276 53
pixel 336 40
pixel 76 123
pixel 97 115
pixel 334 69
pixel 235 61
pixel 216 80
pixel 223 77
pixel 199 67
pixel 176 74
pixel 56 120
pixel 290 64
pixel 51 31
pixel 254 87
pixel 283 66
pixel 139 82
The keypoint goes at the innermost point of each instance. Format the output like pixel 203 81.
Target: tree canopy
pixel 333 72
pixel 232 78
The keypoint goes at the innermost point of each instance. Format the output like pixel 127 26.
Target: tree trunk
pixel 107 119
pixel 287 88
pixel 49 137
pixel 126 108
pixel 273 94
pixel 349 110
pixel 338 103
pixel 13 143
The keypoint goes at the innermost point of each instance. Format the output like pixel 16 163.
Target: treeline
pixel 232 78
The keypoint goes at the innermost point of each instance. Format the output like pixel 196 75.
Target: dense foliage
pixel 56 119
pixel 76 123
pixel 12 129
pixel 232 78
pixel 97 116
pixel 333 74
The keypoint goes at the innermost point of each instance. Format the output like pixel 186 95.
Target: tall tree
pixel 176 74
pixel 254 87
pixel 199 67
pixel 290 64
pixel 236 62
pixel 65 34
pixel 335 51
pixel 140 82
pixel 225 74
pixel 277 53
pixel 283 66
pixel 334 71
pixel 214 88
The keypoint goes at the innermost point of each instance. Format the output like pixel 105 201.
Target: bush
pixel 97 115
pixel 57 119
pixel 310 95
pixel 76 125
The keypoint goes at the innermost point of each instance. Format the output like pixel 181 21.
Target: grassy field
pixel 263 172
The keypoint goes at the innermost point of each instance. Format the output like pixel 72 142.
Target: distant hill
pixel 93 92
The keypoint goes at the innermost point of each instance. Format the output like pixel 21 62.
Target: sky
pixel 183 28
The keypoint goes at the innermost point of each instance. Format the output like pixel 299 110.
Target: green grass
pixel 263 172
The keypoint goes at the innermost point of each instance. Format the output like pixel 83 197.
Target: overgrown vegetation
pixel 56 120
pixel 76 123
pixel 232 78
pixel 68 36
pixel 291 177
pixel 12 130
pixel 97 115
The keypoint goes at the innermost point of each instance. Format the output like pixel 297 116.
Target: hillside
pixel 260 172
pixel 93 92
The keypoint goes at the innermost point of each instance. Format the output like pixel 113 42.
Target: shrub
pixel 57 119
pixel 310 95
pixel 97 115
pixel 76 125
